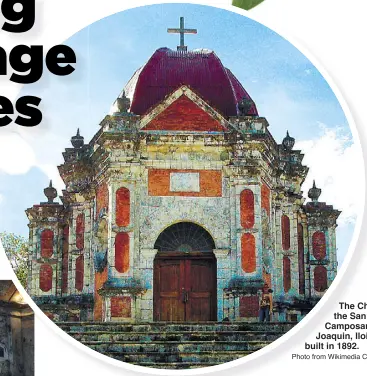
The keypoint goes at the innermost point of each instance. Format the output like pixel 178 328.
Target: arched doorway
pixel 185 275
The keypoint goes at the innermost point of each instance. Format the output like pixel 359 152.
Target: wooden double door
pixel 185 288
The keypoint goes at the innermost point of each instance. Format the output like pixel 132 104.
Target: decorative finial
pixel 182 31
pixel 314 192
pixel 51 193
pixel 78 140
pixel 123 103
pixel 288 142
pixel 244 106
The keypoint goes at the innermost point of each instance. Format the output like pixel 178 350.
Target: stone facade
pixel 180 162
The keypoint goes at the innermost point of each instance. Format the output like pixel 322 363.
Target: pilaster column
pixel 223 276
pixel 145 302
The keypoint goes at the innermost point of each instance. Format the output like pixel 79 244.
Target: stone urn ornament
pixel 123 103
pixel 314 192
pixel 77 141
pixel 245 106
pixel 288 142
pixel 50 192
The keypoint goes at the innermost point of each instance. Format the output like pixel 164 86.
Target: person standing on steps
pixel 266 304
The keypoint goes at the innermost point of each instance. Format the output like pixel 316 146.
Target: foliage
pixel 17 249
pixel 246 4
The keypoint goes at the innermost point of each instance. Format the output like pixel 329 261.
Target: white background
pixel 333 31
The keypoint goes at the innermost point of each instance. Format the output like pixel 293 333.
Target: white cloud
pixel 16 155
pixel 336 163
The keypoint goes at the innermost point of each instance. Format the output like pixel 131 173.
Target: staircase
pixel 176 346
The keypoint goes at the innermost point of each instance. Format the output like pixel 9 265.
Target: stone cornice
pixel 221 253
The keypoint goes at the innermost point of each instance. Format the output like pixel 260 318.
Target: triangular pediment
pixel 184 111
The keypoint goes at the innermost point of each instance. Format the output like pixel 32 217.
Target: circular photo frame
pixel 206 214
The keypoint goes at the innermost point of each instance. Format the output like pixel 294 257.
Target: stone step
pixel 174 336
pixel 175 347
pixel 169 327
pixel 202 358
pixel 172 365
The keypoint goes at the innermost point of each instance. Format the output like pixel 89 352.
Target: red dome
pixel 201 70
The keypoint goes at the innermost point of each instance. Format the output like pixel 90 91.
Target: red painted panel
pixel 65 259
pixel 301 259
pixel 249 306
pixel 99 280
pixel 319 245
pixel 46 277
pixel 121 307
pixel 47 243
pixel 80 228
pixel 247 204
pixel 265 198
pixel 184 115
pixel 122 252
pixel 123 207
pixel 287 282
pixel 79 273
pixel 210 183
pixel 286 233
pixel 248 253
pixel 101 198
pixel 320 278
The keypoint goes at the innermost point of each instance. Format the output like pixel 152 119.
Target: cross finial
pixel 182 31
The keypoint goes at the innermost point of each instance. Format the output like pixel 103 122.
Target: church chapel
pixel 181 208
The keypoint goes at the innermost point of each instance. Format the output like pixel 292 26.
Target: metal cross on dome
pixel 182 31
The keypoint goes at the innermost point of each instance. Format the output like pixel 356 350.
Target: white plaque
pixel 185 182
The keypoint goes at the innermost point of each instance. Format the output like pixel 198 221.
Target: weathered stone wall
pixel 28 345
pixel 16 341
pixel 159 212
pixel 5 344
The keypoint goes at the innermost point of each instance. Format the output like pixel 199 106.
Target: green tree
pixel 246 4
pixel 17 249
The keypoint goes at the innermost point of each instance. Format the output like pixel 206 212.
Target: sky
pixel 287 89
